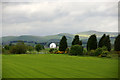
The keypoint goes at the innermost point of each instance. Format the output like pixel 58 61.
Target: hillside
pixel 56 38
pixel 99 34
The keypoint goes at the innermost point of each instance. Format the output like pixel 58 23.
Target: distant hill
pixel 99 34
pixel 56 38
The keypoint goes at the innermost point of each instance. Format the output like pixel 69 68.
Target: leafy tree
pixel 19 48
pixel 63 44
pixel 76 50
pixel 92 43
pixel 76 40
pixel 117 43
pixel 38 47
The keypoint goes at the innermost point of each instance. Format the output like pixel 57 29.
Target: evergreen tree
pixel 92 43
pixel 80 42
pixel 101 41
pixel 76 41
pixel 107 43
pixel 117 43
pixel 63 44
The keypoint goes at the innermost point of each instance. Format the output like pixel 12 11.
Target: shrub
pixel 60 52
pixel 30 48
pixel 76 50
pixel 92 53
pixel 85 51
pixel 6 47
pixel 38 47
pixel 104 53
pixel 51 50
pixel 98 51
pixel 19 48
pixel 67 51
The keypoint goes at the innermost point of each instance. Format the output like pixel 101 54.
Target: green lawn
pixel 58 66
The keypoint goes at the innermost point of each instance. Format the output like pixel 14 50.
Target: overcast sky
pixel 48 18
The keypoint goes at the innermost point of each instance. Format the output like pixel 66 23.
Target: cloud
pixel 47 18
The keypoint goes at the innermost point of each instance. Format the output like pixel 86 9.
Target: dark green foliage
pixel 19 48
pixel 80 42
pixel 67 51
pixel 92 43
pixel 105 41
pixel 92 53
pixel 76 50
pixel 6 47
pixel 30 48
pixel 101 41
pixel 38 47
pixel 76 40
pixel 42 47
pixel 99 51
pixel 51 50
pixel 63 44
pixel 104 53
pixel 117 43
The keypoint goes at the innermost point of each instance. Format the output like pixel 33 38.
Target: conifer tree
pixel 101 41
pixel 107 43
pixel 63 44
pixel 117 43
pixel 76 41
pixel 92 43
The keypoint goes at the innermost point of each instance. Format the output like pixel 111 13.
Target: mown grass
pixel 58 66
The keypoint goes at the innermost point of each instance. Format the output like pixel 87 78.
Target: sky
pixel 52 17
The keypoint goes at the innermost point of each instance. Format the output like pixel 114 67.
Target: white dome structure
pixel 52 45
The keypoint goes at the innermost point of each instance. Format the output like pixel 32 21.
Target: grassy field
pixel 58 66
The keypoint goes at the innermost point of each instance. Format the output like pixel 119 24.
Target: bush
pixel 92 53
pixel 67 51
pixel 98 51
pixel 30 48
pixel 19 48
pixel 38 47
pixel 59 52
pixel 6 47
pixel 104 53
pixel 76 50
pixel 85 51
pixel 51 50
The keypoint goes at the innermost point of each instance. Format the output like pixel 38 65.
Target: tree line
pixel 93 46
pixel 92 43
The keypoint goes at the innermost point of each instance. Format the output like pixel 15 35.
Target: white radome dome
pixel 52 45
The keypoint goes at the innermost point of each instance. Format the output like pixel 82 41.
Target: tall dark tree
pixel 101 41
pixel 63 44
pixel 80 42
pixel 107 43
pixel 92 43
pixel 76 40
pixel 117 43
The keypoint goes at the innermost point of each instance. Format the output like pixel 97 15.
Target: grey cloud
pixel 55 17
